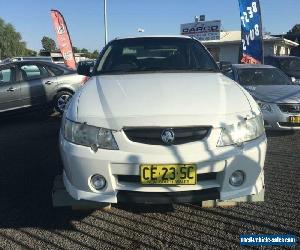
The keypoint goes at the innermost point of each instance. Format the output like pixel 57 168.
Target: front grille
pixel 136 178
pixel 290 108
pixel 152 136
pixel 195 197
pixel 289 124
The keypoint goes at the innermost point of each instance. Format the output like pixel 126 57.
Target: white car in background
pixel 158 123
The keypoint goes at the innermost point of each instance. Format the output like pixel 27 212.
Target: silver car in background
pixel 276 94
pixel 29 58
pixel 37 84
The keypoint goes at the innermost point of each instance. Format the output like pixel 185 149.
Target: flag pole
pixel 105 22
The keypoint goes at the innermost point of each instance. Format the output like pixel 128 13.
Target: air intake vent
pixel 290 108
pixel 166 136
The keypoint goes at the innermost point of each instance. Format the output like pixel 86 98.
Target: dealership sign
pixel 251 27
pixel 202 31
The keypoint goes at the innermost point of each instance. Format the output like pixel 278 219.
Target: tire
pixel 61 100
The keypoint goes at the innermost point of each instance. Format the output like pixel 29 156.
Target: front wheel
pixel 61 100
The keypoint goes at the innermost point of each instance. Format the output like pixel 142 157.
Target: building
pixel 228 47
pixel 294 38
pixel 58 58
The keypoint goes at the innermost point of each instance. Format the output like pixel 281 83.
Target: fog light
pixel 237 178
pixel 98 181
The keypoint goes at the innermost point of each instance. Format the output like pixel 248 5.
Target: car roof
pixel 253 66
pixel 35 61
pixel 283 57
pixel 29 61
pixel 153 36
pixel 7 63
pixel 38 62
pixel 29 57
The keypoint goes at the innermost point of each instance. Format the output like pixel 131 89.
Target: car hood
pixel 161 99
pixel 275 93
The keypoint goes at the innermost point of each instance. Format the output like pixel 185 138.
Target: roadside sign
pixel 203 31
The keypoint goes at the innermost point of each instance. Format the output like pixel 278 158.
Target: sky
pixel 157 17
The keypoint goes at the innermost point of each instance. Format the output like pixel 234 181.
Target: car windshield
pixel 262 76
pixel 155 54
pixel 290 64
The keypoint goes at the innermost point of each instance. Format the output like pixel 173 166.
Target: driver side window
pixel 5 76
pixel 33 72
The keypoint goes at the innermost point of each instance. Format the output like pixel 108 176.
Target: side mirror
pixel 84 69
pixel 225 67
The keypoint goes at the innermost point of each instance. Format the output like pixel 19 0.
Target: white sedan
pixel 277 96
pixel 158 123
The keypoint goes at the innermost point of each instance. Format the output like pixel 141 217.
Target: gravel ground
pixel 29 161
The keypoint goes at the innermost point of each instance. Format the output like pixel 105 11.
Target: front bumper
pixel 278 120
pixel 80 163
pixel 123 196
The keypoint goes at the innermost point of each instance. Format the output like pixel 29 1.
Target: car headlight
pixel 243 131
pixel 264 106
pixel 90 136
pixel 295 80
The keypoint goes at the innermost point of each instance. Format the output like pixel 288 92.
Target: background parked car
pixel 290 65
pixel 27 84
pixel 29 58
pixel 277 96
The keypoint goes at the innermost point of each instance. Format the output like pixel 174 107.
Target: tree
pixel 75 50
pixel 95 54
pixel 30 52
pixel 91 55
pixel 294 35
pixel 11 43
pixel 295 30
pixel 48 44
pixel 84 51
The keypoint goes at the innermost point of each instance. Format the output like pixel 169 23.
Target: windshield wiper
pixel 118 71
pixel 179 69
pixel 206 70
pixel 157 69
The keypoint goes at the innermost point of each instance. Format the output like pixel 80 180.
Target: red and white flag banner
pixel 63 38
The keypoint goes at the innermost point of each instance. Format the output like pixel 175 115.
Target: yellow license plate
pixel 183 174
pixel 294 119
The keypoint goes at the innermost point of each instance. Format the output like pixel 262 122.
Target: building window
pixel 278 50
pixel 287 51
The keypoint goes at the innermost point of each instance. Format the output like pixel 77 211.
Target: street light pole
pixel 105 22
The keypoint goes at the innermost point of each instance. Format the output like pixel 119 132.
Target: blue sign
pixel 268 240
pixel 252 36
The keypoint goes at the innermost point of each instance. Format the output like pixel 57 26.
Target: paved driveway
pixel 29 161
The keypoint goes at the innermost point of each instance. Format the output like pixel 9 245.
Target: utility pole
pixel 105 22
